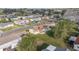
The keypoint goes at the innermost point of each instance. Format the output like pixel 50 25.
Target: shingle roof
pixel 5 24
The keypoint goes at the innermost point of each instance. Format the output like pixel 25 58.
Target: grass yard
pixel 51 40
pixel 32 42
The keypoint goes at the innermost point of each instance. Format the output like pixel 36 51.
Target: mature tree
pixel 64 28
pixel 27 43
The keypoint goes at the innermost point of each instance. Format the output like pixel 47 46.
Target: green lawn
pixel 32 42
pixel 51 40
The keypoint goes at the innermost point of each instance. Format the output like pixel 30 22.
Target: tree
pixel 64 28
pixel 9 19
pixel 27 43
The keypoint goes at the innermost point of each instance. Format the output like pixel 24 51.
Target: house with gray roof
pixel 74 41
pixel 5 25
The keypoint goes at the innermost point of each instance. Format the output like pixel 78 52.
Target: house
pixel 21 22
pixel 6 25
pixel 35 19
pixel 45 17
pixel 50 24
pixel 52 16
pixel 34 16
pixel 53 48
pixel 30 16
pixel 75 42
pixel 14 18
pixel 39 29
pixel 23 17
pixel 58 10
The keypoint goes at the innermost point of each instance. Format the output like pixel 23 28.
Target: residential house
pixel 75 41
pixel 6 25
pixel 39 29
pixel 30 16
pixel 50 24
pixel 58 10
pixel 45 17
pixel 34 16
pixel 21 22
pixel 35 19
pixel 23 17
pixel 52 16
pixel 14 18
pixel 53 48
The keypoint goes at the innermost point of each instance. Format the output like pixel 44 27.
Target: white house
pixel 76 42
pixel 5 25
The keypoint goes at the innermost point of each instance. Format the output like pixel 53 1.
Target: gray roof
pixel 5 24
pixel 60 49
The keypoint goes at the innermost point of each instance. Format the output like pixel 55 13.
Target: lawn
pixel 51 40
pixel 32 42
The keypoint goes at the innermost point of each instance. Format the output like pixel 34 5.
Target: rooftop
pixel 5 24
pixel 77 40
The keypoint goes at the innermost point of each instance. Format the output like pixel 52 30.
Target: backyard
pixel 31 42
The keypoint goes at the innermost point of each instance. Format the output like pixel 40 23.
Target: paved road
pixel 12 35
